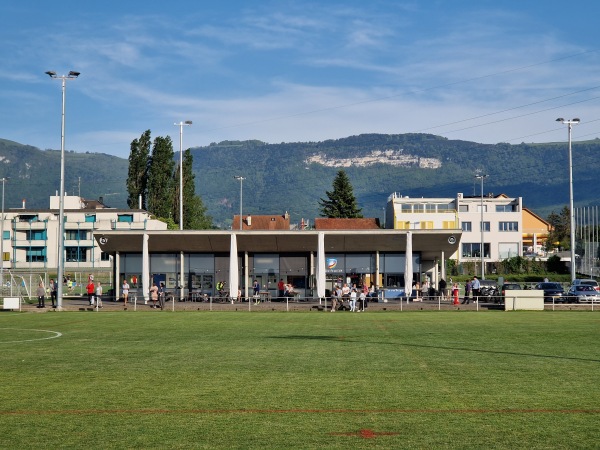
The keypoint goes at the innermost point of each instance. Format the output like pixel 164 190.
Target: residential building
pixel 497 220
pixel 30 240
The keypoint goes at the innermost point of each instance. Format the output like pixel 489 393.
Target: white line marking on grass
pixel 56 335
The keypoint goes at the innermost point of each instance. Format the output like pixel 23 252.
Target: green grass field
pixel 300 380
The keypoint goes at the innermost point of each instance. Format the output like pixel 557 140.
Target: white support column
pixel 246 274
pixel 117 276
pixel 376 281
pixel 182 277
pixel 145 269
pixel 443 267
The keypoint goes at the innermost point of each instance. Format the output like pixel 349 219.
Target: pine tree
pixel 161 187
pixel 137 176
pixel 341 202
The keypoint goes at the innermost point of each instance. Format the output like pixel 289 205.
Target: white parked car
pixel 583 293
pixel 590 282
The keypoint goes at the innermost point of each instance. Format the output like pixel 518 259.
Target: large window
pixel 36 235
pixel 484 226
pixel 506 208
pixel 508 226
pixel 125 218
pixel 466 226
pixel 35 254
pixel 76 235
pixel 473 250
pixel 75 254
pixel 508 250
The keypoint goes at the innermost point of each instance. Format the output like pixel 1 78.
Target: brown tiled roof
pixel 281 222
pixel 346 224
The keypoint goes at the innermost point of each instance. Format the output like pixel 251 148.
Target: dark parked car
pixel 582 293
pixel 552 291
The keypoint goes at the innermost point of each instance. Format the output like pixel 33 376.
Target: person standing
pixel 256 290
pixel 99 295
pixel 442 288
pixel 467 296
pixel 154 295
pixel 41 295
pixel 161 295
pixel 334 298
pixel 425 289
pixel 125 290
pixel 90 288
pixel 353 300
pixel 53 292
pixel 280 288
pixel 476 286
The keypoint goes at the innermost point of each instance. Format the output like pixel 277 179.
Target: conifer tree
pixel 341 202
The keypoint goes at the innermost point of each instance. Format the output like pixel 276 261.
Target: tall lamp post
pixel 61 219
pixel 241 178
pixel 181 125
pixel 570 124
pixel 4 179
pixel 482 177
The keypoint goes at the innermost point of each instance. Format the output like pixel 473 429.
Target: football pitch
pixel 423 379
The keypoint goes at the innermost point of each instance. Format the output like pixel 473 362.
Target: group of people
pixel 356 301
pixel 472 290
pixel 94 292
pixel 157 294
pixel 42 291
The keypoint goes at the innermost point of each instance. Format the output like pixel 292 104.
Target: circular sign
pixel 451 240
pixel 103 240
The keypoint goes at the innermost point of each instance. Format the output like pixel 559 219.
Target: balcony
pixel 21 226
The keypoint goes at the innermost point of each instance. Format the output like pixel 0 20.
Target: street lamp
pixel 61 220
pixel 482 227
pixel 241 178
pixel 4 179
pixel 181 125
pixel 570 124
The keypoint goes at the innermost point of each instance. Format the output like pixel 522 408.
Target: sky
pixel 289 71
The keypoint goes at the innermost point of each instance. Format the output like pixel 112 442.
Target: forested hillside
pixel 294 176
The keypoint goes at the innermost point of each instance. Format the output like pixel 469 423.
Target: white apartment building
pixel 498 219
pixel 30 236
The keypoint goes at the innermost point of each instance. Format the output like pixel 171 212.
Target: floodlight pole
pixel 181 125
pixel 61 219
pixel 2 237
pixel 481 227
pixel 241 178
pixel 570 124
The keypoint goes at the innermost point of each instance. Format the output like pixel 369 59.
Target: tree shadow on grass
pixel 436 347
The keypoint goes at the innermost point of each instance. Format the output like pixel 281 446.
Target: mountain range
pixel 293 177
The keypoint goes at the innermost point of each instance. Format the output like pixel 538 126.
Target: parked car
pixel 590 282
pixel 552 291
pixel 582 293
pixel 507 287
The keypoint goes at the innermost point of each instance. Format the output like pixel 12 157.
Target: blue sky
pixel 288 71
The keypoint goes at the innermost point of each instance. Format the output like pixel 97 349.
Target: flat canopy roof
pixel 430 243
